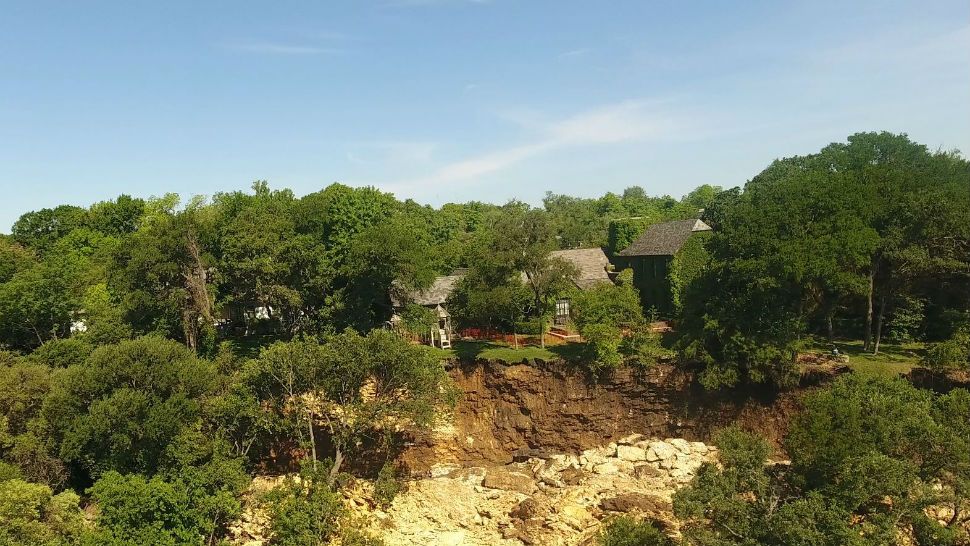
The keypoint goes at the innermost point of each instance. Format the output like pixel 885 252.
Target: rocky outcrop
pixel 553 499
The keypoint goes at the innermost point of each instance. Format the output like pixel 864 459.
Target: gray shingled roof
pixel 590 262
pixel 436 294
pixel 664 239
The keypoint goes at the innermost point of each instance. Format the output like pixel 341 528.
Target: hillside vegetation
pixel 159 353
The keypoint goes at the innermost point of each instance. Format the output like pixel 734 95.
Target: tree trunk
pixel 542 332
pixel 338 459
pixel 830 330
pixel 882 311
pixel 867 342
pixel 313 440
pixel 190 329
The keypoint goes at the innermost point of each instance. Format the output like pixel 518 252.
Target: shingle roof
pixel 436 294
pixel 664 239
pixel 591 264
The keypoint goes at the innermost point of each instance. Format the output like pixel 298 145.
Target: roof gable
pixel 591 265
pixel 436 294
pixel 665 238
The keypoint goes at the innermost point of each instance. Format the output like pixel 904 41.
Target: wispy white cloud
pixel 622 122
pixel 573 53
pixel 272 48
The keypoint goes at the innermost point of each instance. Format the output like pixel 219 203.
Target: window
pixel 562 311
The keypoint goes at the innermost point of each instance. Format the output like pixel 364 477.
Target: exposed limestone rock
pixel 680 444
pixel 635 502
pixel 662 451
pixel 550 500
pixel 631 453
pixel 509 480
pixel 608 467
pixel 555 500
pixel 630 440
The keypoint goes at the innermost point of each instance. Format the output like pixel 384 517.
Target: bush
pixel 387 485
pixel 626 531
pixel 136 510
pixel 949 355
pixel 642 347
pixel 602 346
pixel 418 319
pixel 125 404
pixel 61 353
pixel 351 535
pixel 860 416
pixel 304 511
pixel 748 503
pixel 30 514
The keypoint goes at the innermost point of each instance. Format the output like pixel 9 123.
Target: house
pixel 434 298
pixel 592 268
pixel 651 257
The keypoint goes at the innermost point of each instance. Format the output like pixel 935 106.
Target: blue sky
pixel 452 100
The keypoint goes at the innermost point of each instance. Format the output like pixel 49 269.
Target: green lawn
pixel 893 358
pixel 491 350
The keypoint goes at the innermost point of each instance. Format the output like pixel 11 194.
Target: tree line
pixel 323 262
pixel 157 354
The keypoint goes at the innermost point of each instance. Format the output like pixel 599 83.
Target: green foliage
pixel 190 501
pixel 586 222
pixel 626 531
pixel 615 305
pixel 394 255
pixel 305 511
pixel 61 353
pixel 856 229
pixel 745 504
pixel 407 384
pixel 104 320
pixel 951 354
pixel 30 514
pixel 387 486
pixel 41 229
pixel 419 319
pixel 611 321
pixel 686 267
pixel 602 346
pixel 125 404
pixel 23 386
pixel 907 320
pixel 38 303
pixel 484 301
pixel 863 415
pixel 623 231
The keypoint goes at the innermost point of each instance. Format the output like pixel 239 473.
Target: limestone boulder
pixel 509 480
pixel 631 453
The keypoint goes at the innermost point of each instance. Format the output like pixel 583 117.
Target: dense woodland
pixel 157 353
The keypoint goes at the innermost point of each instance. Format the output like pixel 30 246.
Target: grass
pixel 492 350
pixel 893 358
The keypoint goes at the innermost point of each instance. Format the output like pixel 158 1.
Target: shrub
pixel 125 404
pixel 949 355
pixel 626 531
pixel 304 511
pixel 61 353
pixel 31 514
pixel 602 346
pixel 387 485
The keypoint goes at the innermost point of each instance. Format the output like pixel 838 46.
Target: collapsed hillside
pixel 536 453
pixel 537 408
